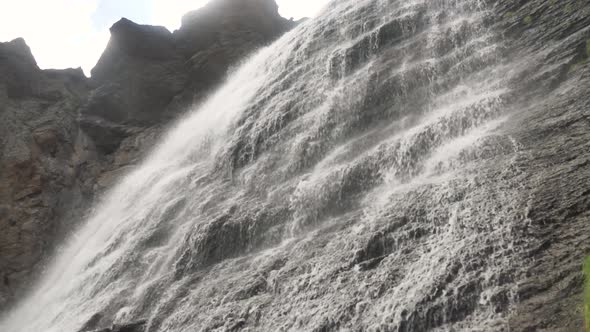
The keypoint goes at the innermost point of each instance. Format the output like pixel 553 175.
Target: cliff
pixel 64 138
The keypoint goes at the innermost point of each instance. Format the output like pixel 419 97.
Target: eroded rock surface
pixel 96 321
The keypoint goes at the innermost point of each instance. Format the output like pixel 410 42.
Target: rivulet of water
pixel 342 178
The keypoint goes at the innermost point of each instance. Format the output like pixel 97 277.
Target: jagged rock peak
pixel 18 69
pixel 268 8
pixel 263 15
pixel 18 48
pixel 142 40
pixel 177 68
pixel 64 138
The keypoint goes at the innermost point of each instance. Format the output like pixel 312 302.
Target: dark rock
pixel 219 34
pixel 132 327
pixel 138 326
pixel 92 323
pixel 137 77
pixel 111 134
pixel 134 40
pixel 227 22
pixel 496 246
pixel 147 75
pixel 19 75
pixel 64 138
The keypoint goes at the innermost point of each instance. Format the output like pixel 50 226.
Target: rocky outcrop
pixel 18 69
pixel 148 75
pixel 95 321
pixel 371 187
pixel 39 143
pixel 64 137
pixel 136 78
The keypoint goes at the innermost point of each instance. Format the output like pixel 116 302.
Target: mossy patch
pixel 528 20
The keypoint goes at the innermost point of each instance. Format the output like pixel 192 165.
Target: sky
pixel 73 33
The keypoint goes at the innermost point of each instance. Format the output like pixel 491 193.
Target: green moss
pixel 587 293
pixel 575 65
pixel 528 20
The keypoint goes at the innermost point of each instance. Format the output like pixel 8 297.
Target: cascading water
pixel 341 178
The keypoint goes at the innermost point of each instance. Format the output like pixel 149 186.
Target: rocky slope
pixel 64 137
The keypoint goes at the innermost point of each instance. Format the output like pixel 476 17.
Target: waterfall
pixel 339 176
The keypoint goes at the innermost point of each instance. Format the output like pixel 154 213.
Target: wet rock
pixel 380 233
pixel 138 326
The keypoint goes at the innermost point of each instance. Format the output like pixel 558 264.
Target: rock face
pixel 136 78
pixel 95 321
pixel 148 75
pixel 244 26
pixel 39 139
pixel 405 166
pixel 550 40
pixel 64 137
